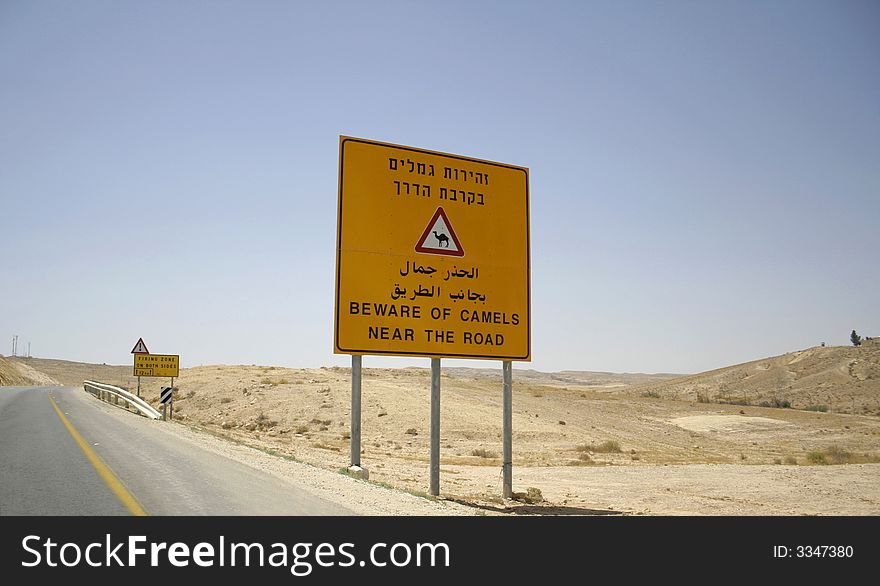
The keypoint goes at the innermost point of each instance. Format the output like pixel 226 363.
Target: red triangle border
pixel 139 343
pixel 420 245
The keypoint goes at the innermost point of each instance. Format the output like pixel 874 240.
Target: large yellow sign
pixel 432 254
pixel 165 365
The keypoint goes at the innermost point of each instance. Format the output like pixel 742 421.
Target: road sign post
pixel 507 430
pixel 432 259
pixel 139 348
pixel 435 427
pixel 166 397
pixel 355 410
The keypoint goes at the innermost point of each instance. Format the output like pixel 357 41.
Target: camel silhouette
pixel 441 238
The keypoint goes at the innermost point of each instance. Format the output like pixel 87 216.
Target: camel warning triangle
pixel 140 347
pixel 439 237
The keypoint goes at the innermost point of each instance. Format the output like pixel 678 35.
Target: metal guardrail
pixel 113 395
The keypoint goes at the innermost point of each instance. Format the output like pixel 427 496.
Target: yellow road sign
pixel 165 365
pixel 432 254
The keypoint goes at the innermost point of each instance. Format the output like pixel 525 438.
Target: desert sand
pixel 591 443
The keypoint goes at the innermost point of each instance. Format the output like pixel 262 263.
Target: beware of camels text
pixel 439 237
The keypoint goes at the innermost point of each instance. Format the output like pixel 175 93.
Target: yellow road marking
pixel 110 479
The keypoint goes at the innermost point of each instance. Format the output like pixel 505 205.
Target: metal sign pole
pixel 164 411
pixel 356 410
pixel 139 386
pixel 435 427
pixel 507 430
pixel 171 400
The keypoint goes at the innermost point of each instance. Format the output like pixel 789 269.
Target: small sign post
pixel 166 397
pixel 140 348
pixel 157 365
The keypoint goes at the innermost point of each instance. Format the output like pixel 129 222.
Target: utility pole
pixel 29 349
pixel 15 345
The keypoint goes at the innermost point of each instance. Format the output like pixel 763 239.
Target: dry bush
pixel 816 458
pixel 835 454
pixel 483 453
pixel 606 447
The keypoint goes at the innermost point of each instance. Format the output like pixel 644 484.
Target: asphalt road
pixel 43 471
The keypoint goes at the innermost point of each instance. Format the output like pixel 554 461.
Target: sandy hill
pixel 19 372
pixel 72 374
pixel 840 378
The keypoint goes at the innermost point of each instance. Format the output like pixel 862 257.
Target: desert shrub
pixel 777 403
pixel 838 455
pixel 790 460
pixel 816 458
pixel 302 429
pixel 651 394
pixel 483 453
pixel 261 423
pixel 412 431
pixel 225 400
pixel 274 383
pixel 606 447
pixel 819 408
pixel 703 398
pixel 584 457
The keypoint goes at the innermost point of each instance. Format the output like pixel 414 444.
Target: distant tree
pixel 855 339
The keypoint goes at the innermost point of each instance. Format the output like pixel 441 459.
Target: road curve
pixel 43 471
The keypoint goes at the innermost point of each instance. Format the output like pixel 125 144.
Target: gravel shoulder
pixel 364 498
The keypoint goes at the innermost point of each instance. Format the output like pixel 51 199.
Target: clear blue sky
pixel 705 176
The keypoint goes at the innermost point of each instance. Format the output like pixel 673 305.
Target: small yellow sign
pixel 163 365
pixel 432 254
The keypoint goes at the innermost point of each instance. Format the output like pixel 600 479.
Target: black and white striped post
pixel 165 397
